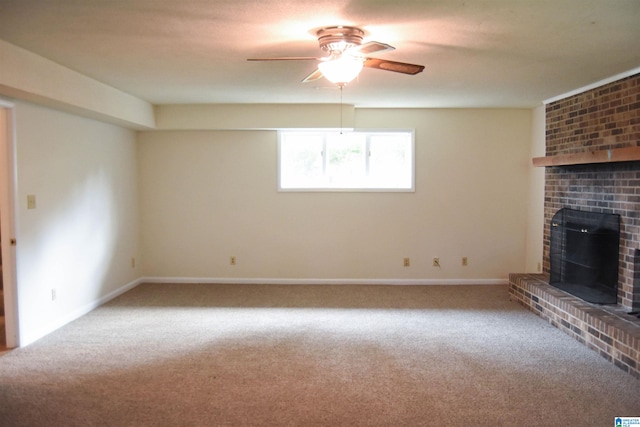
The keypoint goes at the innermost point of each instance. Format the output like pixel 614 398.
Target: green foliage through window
pixel 349 161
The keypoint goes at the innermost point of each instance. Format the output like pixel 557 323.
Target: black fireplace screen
pixel 584 251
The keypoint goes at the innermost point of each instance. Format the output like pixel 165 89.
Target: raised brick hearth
pixel 609 330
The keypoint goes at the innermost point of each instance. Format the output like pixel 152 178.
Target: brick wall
pixel 602 118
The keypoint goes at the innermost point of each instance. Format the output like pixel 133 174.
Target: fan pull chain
pixel 341 114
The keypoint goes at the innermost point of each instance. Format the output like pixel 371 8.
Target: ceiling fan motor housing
pixel 339 38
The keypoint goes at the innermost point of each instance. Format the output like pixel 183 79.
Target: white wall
pixel 209 195
pixel 84 231
pixel 27 76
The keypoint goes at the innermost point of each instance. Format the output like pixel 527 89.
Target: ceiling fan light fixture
pixel 347 56
pixel 341 70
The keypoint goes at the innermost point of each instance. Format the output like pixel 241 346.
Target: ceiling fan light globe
pixel 341 70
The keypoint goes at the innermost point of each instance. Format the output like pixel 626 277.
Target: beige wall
pixel 84 231
pixel 209 195
pixel 252 116
pixel 535 210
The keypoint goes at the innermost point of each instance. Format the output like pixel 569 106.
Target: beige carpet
pixel 263 355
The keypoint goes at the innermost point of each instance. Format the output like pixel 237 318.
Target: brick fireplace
pixel 599 123
pixel 604 118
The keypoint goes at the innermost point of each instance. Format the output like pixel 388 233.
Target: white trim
pixel 36 335
pixel 6 104
pixel 8 182
pixel 289 281
pixel 593 85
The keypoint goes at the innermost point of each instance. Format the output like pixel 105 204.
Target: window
pixel 347 161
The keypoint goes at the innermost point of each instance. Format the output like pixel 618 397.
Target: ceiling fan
pixel 347 56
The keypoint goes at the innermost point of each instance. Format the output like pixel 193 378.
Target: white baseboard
pixel 28 338
pixel 289 281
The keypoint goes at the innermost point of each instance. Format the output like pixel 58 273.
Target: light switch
pixel 31 201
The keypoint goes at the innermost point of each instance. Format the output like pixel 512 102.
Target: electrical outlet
pixel 133 262
pixel 407 262
pixel 53 294
pixel 465 261
pixel 436 262
pixel 232 260
pixel 539 267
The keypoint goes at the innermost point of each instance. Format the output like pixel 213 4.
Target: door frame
pixel 8 191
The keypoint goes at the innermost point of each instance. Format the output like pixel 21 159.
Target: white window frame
pixel 368 133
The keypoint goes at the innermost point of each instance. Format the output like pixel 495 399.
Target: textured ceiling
pixel 491 53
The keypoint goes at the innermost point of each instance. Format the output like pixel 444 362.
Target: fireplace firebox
pixel 584 252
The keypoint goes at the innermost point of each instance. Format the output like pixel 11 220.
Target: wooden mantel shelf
pixel 627 154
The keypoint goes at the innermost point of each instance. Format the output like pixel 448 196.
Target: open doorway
pixel 8 284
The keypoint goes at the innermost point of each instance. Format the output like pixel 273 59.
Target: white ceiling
pixel 477 53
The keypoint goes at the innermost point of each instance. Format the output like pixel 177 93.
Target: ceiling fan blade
pixel 398 67
pixel 287 58
pixel 369 48
pixel 316 75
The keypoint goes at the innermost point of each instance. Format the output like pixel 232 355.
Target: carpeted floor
pixel 264 355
